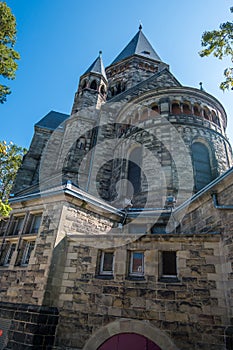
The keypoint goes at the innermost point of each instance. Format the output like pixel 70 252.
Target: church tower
pixel 92 89
pixel 121 230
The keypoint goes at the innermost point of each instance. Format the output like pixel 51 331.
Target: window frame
pixel 31 224
pixel 131 258
pixel 171 275
pixel 24 259
pixel 15 228
pixel 103 272
pixel 7 253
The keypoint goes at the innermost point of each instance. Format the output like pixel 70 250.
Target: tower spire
pixel 139 46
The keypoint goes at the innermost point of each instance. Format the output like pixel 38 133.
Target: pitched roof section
pixel 52 120
pixel 97 67
pixel 139 45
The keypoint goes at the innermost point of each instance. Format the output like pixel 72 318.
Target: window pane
pixel 35 224
pixel 9 254
pixel 107 261
pixel 169 263
pixel 27 253
pixel 19 225
pixel 137 263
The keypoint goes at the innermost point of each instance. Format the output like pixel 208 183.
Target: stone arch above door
pixel 143 328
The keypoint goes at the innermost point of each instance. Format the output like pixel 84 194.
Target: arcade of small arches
pixel 176 107
pixel 94 85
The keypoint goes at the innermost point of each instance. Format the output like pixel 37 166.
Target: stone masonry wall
pixel 31 327
pixel 191 310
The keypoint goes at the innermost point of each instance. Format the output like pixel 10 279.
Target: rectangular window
pixel 169 268
pixel 106 263
pixel 33 224
pixel 16 226
pixel 26 252
pixel 7 254
pixel 136 267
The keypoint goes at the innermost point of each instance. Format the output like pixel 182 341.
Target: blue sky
pixel 59 39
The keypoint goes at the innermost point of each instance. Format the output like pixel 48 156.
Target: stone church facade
pixel 121 230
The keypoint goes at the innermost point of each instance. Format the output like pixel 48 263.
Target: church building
pixel 121 233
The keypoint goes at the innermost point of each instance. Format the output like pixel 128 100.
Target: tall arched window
pixel 134 171
pixel 201 165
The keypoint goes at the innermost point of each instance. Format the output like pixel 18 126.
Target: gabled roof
pixel 52 120
pixel 97 67
pixel 140 46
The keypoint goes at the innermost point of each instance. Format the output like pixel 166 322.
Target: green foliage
pixel 220 44
pixel 4 209
pixel 8 55
pixel 11 157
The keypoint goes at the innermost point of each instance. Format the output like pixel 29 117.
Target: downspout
pixel 217 206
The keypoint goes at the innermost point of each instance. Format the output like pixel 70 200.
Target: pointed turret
pixel 92 86
pixel 97 67
pixel 139 46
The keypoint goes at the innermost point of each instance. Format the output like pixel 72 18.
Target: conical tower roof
pixel 140 46
pixel 97 67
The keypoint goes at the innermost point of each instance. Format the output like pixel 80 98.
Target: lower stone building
pixel 121 230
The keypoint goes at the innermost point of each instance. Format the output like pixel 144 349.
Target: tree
pixel 11 157
pixel 220 44
pixel 8 55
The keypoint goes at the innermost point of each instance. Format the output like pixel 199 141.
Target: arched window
pixel 84 84
pixel 206 113
pixel 215 118
pixel 201 165
pixel 186 108
pixel 134 172
pixel 176 108
pixel 118 88
pixel 93 85
pixel 196 110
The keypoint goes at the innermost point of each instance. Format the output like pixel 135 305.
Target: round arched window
pixel 201 165
pixel 93 85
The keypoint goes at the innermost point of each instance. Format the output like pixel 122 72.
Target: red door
pixel 128 341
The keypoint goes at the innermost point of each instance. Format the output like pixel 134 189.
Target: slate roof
pixel 97 67
pixel 52 120
pixel 139 45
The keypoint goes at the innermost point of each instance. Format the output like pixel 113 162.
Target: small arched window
pixel 196 110
pixel 186 108
pixel 176 108
pixel 215 118
pixel 201 165
pixel 118 88
pixel 93 85
pixel 206 114
pixel 84 84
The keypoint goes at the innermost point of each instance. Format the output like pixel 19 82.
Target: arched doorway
pixel 126 341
